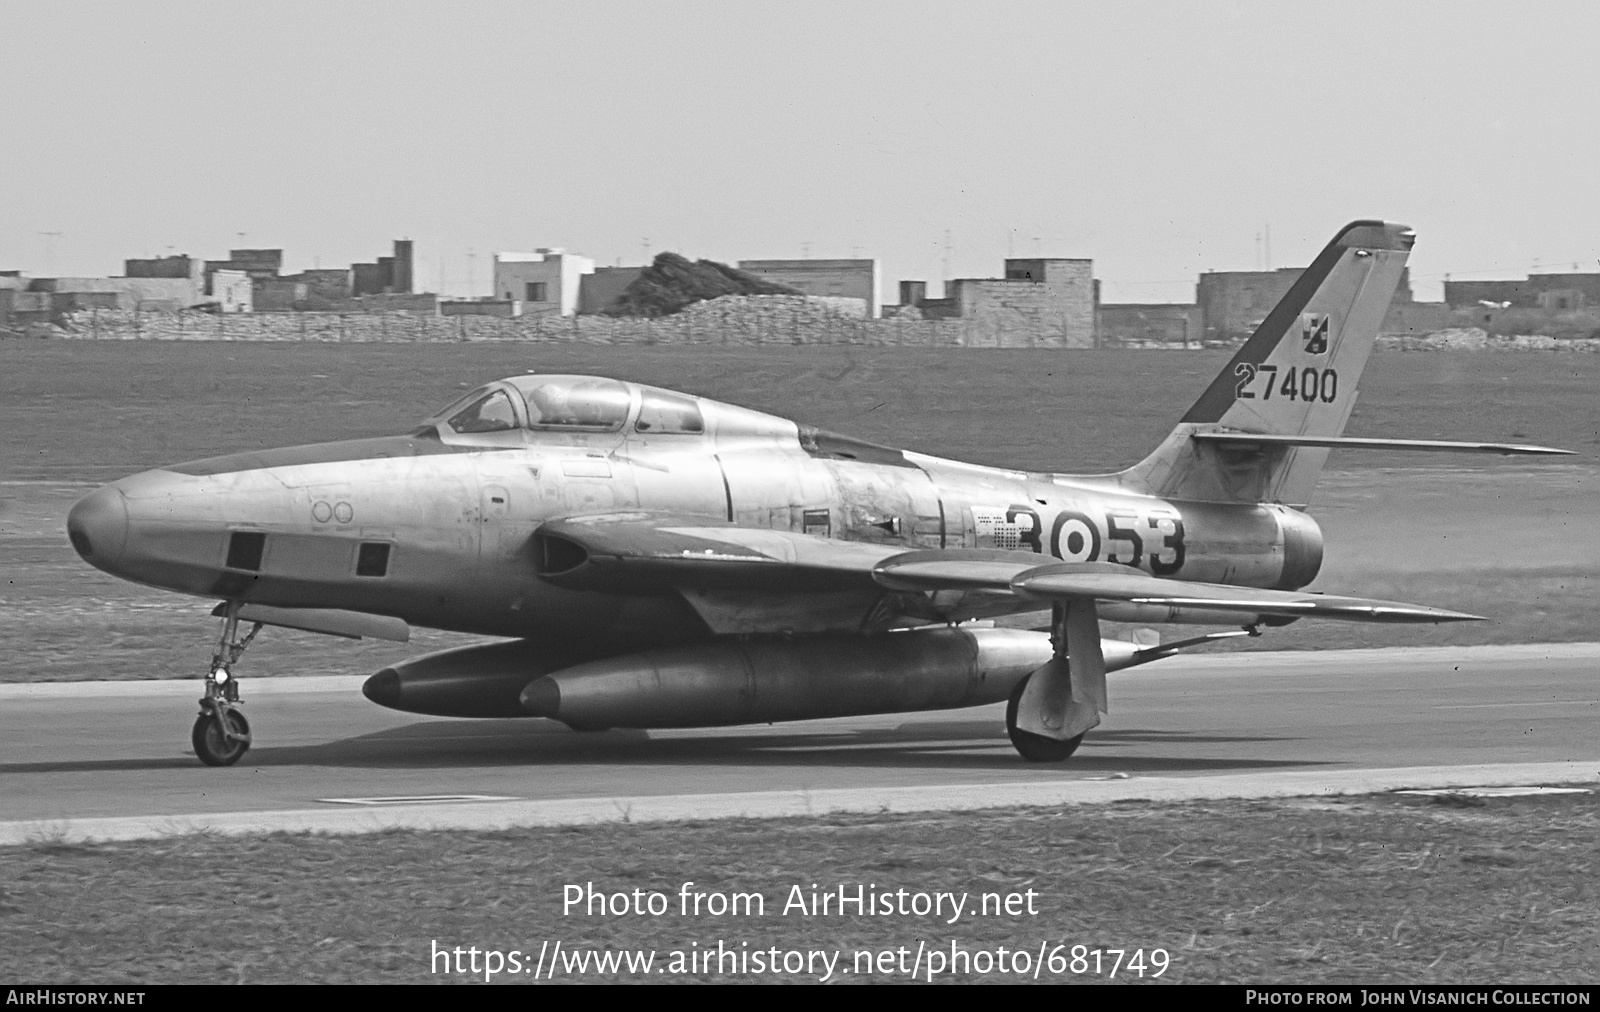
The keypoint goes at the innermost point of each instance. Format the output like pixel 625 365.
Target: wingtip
pixel 1457 616
pixel 1541 451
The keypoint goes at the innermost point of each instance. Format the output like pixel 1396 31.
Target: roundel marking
pixel 1074 537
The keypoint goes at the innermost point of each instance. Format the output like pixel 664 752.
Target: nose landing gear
pixel 221 733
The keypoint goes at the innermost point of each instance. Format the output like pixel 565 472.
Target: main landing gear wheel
pixel 216 746
pixel 1035 748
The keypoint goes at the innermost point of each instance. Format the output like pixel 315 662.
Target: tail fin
pixel 1296 376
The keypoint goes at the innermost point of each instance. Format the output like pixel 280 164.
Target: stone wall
pixel 1474 339
pixel 731 321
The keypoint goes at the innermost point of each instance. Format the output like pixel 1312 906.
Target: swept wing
pixel 1105 581
pixel 636 552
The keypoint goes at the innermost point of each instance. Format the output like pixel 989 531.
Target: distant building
pixel 391 275
pixel 544 281
pixel 225 284
pixel 1041 302
pixel 505 309
pixel 148 294
pixel 1558 299
pixel 423 303
pixel 913 294
pixel 259 264
pixel 281 295
pixel 230 291
pixel 848 279
pixel 600 289
pixel 1545 291
pixel 180 266
pixel 323 286
pixel 26 301
pixel 1150 323
pixel 402 273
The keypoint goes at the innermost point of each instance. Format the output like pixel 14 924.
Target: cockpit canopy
pixel 571 404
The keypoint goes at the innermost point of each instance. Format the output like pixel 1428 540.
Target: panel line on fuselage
pixel 727 489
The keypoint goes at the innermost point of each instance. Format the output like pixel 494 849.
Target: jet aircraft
pixel 662 560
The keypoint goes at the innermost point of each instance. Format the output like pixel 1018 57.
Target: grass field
pixel 93 411
pixel 1510 540
pixel 1371 890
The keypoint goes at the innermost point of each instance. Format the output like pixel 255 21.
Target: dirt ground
pixel 1514 541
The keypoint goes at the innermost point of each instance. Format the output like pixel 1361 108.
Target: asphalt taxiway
pixel 112 760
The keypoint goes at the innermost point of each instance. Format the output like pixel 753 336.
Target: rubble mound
pixel 672 282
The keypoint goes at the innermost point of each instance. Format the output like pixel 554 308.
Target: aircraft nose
pixel 97 525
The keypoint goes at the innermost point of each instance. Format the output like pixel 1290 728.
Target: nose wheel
pixel 221 734
pixel 220 741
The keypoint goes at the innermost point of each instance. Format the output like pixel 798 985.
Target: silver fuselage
pixel 458 512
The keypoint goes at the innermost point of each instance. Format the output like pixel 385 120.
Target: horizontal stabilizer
pixel 353 625
pixel 1262 439
pixel 1105 581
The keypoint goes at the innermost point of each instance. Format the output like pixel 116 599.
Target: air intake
pixel 557 555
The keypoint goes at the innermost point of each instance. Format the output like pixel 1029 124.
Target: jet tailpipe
pixel 765 679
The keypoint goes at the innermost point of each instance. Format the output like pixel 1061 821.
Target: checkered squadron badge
pixel 1314 328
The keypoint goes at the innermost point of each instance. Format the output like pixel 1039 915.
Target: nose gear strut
pixel 221 733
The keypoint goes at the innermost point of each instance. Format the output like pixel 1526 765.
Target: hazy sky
pixel 1158 139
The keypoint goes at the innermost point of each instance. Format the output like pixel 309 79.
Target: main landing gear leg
pixel 1050 711
pixel 221 734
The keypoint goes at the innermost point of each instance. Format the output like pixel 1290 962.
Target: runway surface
pixel 75 754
